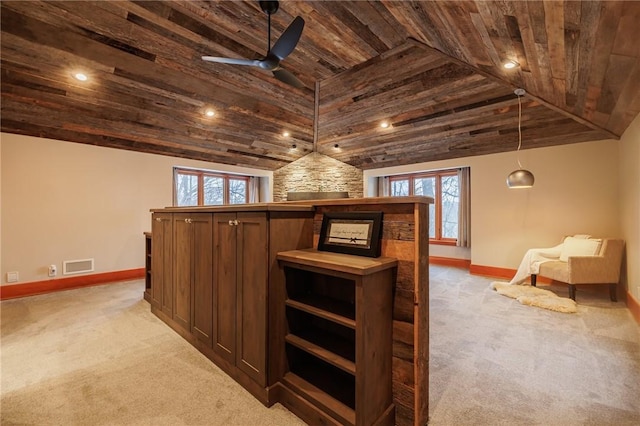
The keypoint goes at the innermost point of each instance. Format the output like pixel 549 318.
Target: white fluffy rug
pixel 533 296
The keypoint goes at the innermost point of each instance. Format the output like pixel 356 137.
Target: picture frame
pixel 357 233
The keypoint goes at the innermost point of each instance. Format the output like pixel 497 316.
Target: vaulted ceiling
pixel 432 69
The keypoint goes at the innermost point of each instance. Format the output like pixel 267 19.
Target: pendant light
pixel 520 178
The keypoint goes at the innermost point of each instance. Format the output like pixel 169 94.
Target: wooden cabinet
pixel 339 339
pixel 193 273
pixel 220 270
pixel 147 266
pixel 161 262
pixel 240 291
pixel 302 368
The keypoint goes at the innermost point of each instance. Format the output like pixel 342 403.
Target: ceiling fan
pixel 281 49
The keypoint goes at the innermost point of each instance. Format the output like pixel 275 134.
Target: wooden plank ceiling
pixel 432 69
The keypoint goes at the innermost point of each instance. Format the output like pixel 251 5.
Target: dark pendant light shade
pixel 520 178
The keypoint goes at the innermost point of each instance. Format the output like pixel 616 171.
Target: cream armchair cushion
pixel 579 247
pixel 601 268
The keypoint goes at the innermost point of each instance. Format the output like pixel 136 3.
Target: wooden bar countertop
pixel 284 206
pixel 255 207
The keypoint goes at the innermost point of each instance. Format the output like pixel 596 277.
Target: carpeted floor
pixel 97 356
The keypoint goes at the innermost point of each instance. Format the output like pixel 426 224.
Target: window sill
pixel 443 242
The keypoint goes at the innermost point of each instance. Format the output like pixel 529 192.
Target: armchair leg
pixel 572 292
pixel 613 292
pixel 533 279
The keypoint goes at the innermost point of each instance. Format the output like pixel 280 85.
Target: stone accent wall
pixel 317 172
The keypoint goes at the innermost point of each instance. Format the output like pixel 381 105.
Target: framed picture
pixel 356 233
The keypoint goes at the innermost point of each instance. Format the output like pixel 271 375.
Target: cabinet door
pixel 202 276
pixel 224 285
pixel 182 231
pixel 251 317
pixel 161 258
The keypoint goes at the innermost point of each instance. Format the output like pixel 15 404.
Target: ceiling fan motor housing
pixel 270 63
pixel 269 7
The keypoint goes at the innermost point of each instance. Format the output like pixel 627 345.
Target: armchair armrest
pixel 593 270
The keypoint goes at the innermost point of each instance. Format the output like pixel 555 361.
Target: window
pixel 205 188
pixel 444 187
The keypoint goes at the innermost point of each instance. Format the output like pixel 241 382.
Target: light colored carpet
pixel 496 362
pixel 534 296
pixel 97 356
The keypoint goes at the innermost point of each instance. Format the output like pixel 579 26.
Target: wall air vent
pixel 77 266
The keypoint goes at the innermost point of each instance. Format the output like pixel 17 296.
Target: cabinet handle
pixel 188 220
pixel 158 219
pixel 233 222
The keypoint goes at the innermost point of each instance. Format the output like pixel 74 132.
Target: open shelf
pixel 322 353
pixel 338 384
pixel 300 386
pixel 318 331
pixel 321 308
pixel 147 266
pixel 326 293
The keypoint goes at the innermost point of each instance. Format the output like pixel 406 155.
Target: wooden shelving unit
pixel 147 266
pixel 339 336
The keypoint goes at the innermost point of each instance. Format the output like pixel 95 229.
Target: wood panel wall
pixel 404 236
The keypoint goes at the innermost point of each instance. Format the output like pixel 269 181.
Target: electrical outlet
pixel 12 277
pixel 53 270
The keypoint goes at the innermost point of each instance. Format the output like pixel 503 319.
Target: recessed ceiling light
pixel 80 76
pixel 384 124
pixel 511 64
pixel 286 134
pixel 210 113
pixel 336 146
pixel 294 146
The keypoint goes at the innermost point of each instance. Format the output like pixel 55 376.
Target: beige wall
pixel 62 200
pixel 66 201
pixel 576 191
pixel 630 203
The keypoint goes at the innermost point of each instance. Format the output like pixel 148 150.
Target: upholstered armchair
pixel 601 268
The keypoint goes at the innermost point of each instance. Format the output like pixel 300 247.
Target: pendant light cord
pixel 520 178
pixel 519 131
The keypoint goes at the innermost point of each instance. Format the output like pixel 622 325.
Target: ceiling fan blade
pixel 286 77
pixel 288 39
pixel 232 61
